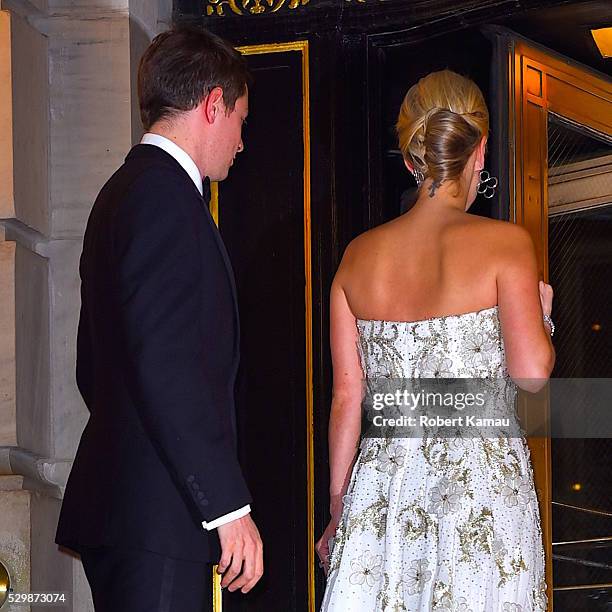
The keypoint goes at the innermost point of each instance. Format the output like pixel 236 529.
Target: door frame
pixel 540 82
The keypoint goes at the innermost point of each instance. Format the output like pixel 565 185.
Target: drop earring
pixel 419 177
pixel 486 184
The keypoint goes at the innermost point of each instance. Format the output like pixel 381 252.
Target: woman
pixel 430 523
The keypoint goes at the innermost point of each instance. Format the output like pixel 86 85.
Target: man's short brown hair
pixel 180 68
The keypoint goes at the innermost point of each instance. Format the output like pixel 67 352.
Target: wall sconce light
pixel 603 40
pixel 5 583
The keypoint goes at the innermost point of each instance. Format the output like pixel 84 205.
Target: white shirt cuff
pixel 226 518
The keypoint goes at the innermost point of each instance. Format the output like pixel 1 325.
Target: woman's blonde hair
pixel 441 121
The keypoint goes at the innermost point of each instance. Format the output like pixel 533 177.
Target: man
pixel 156 493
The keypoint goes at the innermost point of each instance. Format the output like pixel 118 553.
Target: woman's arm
pixel 530 355
pixel 345 417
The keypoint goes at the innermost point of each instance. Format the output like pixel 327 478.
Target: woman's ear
pixel 408 165
pixel 482 151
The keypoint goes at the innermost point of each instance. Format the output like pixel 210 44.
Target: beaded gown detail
pixel 433 524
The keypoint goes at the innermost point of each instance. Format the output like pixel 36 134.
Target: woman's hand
pixel 322 546
pixel 546 297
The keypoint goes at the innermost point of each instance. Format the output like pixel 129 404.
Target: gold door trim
pixel 217 598
pixel 214 202
pixel 301 46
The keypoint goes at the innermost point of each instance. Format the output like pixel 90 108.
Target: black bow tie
pixel 206 190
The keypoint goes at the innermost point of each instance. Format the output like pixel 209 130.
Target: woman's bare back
pixel 424 264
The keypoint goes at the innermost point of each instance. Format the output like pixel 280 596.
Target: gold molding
pixel 296 45
pixel 217 602
pixel 251 7
pixel 214 201
pixel 256 7
pixel 300 46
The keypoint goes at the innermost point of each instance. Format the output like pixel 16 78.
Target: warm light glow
pixel 576 486
pixel 603 40
pixel 596 327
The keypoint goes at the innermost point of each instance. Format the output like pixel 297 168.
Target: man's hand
pixel 241 554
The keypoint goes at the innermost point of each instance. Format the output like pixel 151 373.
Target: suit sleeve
pixel 161 289
pixel 84 367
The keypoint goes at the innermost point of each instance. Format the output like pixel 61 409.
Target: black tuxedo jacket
pixel 157 356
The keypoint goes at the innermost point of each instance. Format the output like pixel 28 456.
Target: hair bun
pixel 441 121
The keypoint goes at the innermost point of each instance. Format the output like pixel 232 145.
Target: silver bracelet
pixel 548 320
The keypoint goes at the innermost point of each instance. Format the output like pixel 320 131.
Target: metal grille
pixel 580 266
pixel 570 143
pixel 580 257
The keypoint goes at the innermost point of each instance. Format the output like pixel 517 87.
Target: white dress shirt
pixel 190 167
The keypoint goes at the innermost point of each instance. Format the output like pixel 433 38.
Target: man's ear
pixel 213 104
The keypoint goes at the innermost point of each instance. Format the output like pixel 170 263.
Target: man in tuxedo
pixel 156 493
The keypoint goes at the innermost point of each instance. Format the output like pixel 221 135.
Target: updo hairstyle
pixel 441 121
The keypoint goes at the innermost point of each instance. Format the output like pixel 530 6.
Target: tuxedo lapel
pixel 224 254
pixel 230 274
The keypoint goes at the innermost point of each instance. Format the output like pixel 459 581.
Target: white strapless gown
pixel 438 524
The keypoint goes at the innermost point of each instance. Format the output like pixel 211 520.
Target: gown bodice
pixel 468 345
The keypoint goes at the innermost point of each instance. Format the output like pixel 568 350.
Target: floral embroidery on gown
pixel 438 524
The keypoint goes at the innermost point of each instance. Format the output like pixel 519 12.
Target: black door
pixel 264 217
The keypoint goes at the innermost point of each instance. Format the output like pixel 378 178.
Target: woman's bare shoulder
pixel 360 249
pixel 364 242
pixel 502 235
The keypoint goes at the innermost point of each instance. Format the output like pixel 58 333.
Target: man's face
pixel 228 137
